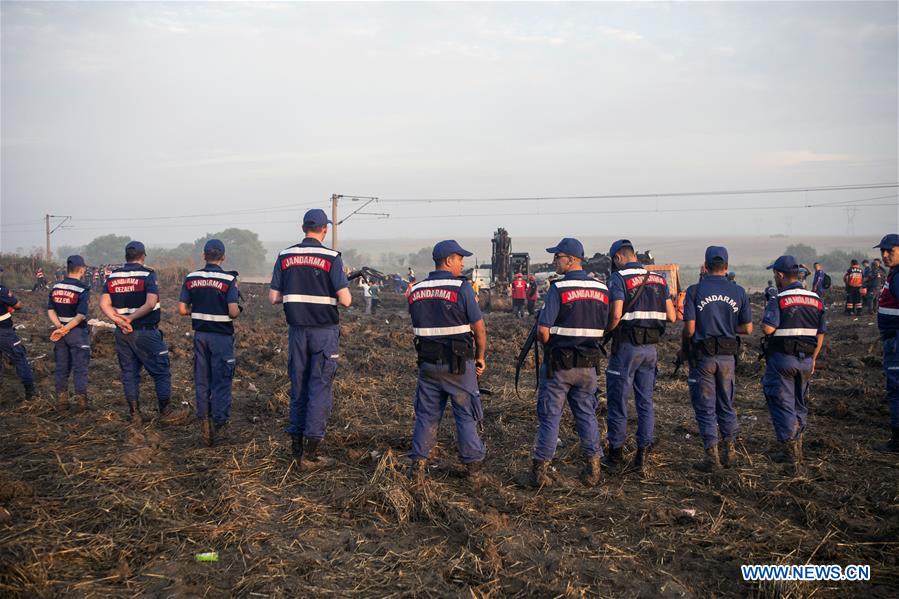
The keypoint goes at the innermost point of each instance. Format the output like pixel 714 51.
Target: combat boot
pixel 592 471
pixel 82 402
pixel 539 475
pixel 793 455
pixel 134 415
pixel 729 455
pixel 473 474
pixel 614 459
pixel 642 459
pixel 62 400
pixel 296 447
pixel 311 460
pixel 207 437
pixel 711 461
pixel 29 391
pixel 893 444
pixel 800 448
pixel 418 471
pixel 220 432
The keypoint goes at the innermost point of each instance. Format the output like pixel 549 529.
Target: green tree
pixel 806 254
pixel 106 249
pixel 243 250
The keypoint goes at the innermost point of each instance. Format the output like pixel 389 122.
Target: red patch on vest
pixel 208 284
pixel 433 294
pixel 801 300
pixel 61 296
pixel 306 260
pixel 125 285
pixel 652 279
pixel 576 295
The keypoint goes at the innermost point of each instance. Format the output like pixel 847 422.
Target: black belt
pixel 145 327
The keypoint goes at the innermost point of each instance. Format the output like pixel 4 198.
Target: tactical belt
pixel 635 336
pixel 566 358
pixel 718 346
pixel 452 352
pixel 789 346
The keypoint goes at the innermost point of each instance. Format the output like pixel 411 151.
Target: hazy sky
pixel 133 110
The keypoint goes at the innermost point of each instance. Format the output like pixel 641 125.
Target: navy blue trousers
pixel 891 370
pixel 577 386
pixel 11 346
pixel 712 385
pixel 435 387
pixel 144 349
pixel 213 373
pixel 632 367
pixel 73 356
pixel 311 364
pixel 785 384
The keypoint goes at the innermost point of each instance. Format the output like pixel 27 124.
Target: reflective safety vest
pixel 436 309
pixel 649 309
pixel 127 288
pixel 309 296
pixel 888 306
pixel 856 276
pixel 208 289
pixel 64 299
pixel 800 314
pixel 583 313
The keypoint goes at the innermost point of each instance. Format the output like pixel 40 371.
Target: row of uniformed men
pixel 450 339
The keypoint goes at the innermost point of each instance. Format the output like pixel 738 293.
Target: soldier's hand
pixel 58 334
pixel 480 366
pixel 814 361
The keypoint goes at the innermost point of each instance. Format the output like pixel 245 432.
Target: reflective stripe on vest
pixel 569 332
pixel 442 331
pixel 299 298
pixel 211 317
pixel 888 311
pixel 438 283
pixel 796 332
pixel 67 287
pixel 644 315
pixel 133 310
pixel 5 315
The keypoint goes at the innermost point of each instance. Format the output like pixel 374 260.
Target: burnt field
pixel 90 506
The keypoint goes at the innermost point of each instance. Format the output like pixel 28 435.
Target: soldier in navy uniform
pixel 571 325
pixel 888 323
pixel 450 339
pixel 131 300
pixel 641 304
pixel 10 345
pixel 308 278
pixel 794 326
pixel 67 309
pixel 210 297
pixel 715 311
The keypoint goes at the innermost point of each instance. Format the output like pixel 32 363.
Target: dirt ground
pixel 90 506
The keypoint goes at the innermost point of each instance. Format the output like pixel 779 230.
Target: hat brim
pixel 553 250
pixel 884 246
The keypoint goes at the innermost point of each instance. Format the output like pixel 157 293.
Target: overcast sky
pixel 133 110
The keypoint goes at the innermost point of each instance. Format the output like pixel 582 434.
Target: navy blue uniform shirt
pixel 128 287
pixel 209 291
pixel 68 298
pixel 796 312
pixel 718 306
pixel 308 275
pixel 7 301
pixel 576 311
pixel 443 307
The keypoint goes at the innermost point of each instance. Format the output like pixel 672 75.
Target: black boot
pixel 893 444
pixel 311 460
pixel 539 474
pixel 29 391
pixel 711 461
pixel 296 447
pixel 592 471
pixel 418 471
pixel 614 458
pixel 642 458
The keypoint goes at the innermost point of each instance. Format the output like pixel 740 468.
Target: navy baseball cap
pixel 315 218
pixel 715 251
pixel 620 244
pixel 74 261
pixel 137 246
pixel 446 248
pixel 214 245
pixel 888 242
pixel 785 264
pixel 568 245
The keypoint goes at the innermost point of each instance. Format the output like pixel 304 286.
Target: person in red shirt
pixel 533 295
pixel 519 294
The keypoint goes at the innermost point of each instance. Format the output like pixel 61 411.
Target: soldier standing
pixel 67 308
pixel 888 323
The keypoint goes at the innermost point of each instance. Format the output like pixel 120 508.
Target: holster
pixel 718 346
pixel 453 352
pixel 790 346
pixel 639 336
pixel 566 358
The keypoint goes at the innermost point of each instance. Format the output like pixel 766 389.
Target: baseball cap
pixel 315 218
pixel 75 261
pixel 447 247
pixel 785 264
pixel 136 246
pixel 568 245
pixel 888 242
pixel 620 244
pixel 715 251
pixel 214 245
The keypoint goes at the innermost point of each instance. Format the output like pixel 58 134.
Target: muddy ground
pixel 90 506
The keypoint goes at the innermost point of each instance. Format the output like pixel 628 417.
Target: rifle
pixel 523 354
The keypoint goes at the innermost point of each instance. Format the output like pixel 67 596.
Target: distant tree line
pixel 834 261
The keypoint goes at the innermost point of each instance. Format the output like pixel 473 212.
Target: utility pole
pixel 334 198
pixel 49 231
